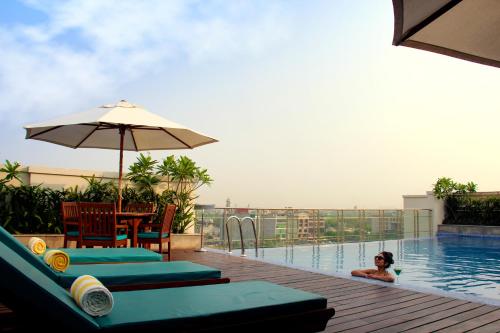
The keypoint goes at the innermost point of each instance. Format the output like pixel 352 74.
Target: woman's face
pixel 379 260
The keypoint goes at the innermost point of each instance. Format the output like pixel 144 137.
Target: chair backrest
pixel 168 218
pixel 69 211
pixel 30 291
pixel 15 245
pixel 98 219
pixel 140 207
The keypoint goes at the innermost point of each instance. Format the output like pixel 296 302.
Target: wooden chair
pixel 71 223
pixel 159 232
pixel 99 227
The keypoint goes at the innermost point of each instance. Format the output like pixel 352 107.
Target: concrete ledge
pixel 179 241
pixel 182 242
pixel 52 240
pixel 186 241
pixel 468 230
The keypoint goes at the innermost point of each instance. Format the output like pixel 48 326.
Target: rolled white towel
pixel 37 245
pixel 92 296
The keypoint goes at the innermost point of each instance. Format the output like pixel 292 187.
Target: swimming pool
pixel 465 266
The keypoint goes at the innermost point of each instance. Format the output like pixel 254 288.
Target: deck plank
pixel 359 306
pixel 476 323
pixel 453 320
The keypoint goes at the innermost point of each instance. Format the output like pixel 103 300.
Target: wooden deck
pixel 363 307
pixel 360 307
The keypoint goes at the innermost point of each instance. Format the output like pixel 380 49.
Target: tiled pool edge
pixel 468 230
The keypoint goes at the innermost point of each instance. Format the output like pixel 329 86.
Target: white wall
pixel 426 201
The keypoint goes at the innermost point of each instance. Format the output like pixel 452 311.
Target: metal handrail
pixel 254 233
pixel 241 233
pixel 229 236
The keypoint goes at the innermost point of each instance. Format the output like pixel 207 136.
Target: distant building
pixel 308 226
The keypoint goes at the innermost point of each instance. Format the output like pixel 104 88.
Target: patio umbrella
pixel 123 126
pixel 464 29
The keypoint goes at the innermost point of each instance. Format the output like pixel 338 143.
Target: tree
pixel 141 173
pixel 183 178
pixel 188 177
pixel 446 187
pixel 11 172
pixel 454 195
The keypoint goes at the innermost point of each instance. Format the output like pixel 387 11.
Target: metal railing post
pixel 360 227
pixel 418 223
pixel 415 224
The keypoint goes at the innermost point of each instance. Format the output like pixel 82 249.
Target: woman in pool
pixel 383 260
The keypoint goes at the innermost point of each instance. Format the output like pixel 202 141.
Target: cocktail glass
pixel 397 271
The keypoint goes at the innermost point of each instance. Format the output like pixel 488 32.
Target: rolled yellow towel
pixel 92 296
pixel 37 245
pixel 57 260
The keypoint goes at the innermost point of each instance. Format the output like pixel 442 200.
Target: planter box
pixel 468 230
pixel 179 241
pixel 182 242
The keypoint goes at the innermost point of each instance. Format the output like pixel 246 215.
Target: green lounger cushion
pixel 85 255
pixel 152 234
pixel 221 303
pixel 170 309
pixel 111 255
pixel 73 233
pixel 148 272
pixel 103 238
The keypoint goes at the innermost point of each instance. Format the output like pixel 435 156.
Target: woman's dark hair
pixel 387 258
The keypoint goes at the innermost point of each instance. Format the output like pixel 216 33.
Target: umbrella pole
pixel 122 135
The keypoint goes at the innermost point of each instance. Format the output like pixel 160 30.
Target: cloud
pixel 87 49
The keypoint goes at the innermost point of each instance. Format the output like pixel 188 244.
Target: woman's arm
pixel 363 272
pixel 385 278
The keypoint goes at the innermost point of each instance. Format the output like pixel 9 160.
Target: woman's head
pixel 384 259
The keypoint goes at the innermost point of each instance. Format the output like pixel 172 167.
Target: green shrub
pixel 472 211
pixel 30 209
pixel 462 208
pixel 36 209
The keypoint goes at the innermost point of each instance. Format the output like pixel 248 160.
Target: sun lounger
pixel 126 276
pixel 95 255
pixel 232 307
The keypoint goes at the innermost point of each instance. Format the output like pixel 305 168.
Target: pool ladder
pixel 236 218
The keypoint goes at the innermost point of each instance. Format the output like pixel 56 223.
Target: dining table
pixel 134 219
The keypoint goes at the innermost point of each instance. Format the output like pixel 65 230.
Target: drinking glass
pixel 397 270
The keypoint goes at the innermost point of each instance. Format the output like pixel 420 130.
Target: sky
pixel 312 105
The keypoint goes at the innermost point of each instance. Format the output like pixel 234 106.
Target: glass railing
pixel 285 227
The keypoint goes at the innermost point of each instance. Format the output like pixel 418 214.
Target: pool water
pixel 467 266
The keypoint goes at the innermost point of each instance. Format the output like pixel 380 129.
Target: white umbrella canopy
pixel 464 29
pixel 123 126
